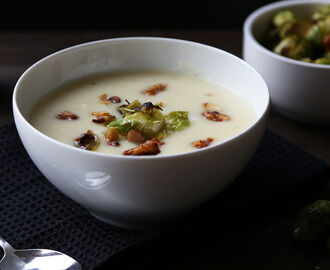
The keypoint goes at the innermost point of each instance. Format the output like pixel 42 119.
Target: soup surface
pixel 181 92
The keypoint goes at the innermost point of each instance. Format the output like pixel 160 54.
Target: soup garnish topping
pixel 87 141
pixel 105 99
pixel 150 147
pixel 153 90
pixel 103 117
pixel 112 137
pixel 202 143
pixel 66 115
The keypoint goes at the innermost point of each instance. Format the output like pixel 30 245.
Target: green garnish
pixel 177 120
pixel 148 120
pixel 149 125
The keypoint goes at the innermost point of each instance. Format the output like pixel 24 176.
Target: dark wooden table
pixel 264 248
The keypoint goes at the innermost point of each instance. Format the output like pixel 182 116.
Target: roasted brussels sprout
pixel 313 222
pixel 283 17
pixel 294 47
pixel 322 60
pixel 148 120
pixel 148 125
pixel 304 39
pixel 321 13
pixel 177 120
pixel 318 31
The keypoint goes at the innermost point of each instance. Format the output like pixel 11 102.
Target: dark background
pixel 123 14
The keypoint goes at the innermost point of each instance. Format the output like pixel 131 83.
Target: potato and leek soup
pixel 142 113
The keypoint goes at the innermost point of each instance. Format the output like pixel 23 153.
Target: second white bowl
pixel 298 89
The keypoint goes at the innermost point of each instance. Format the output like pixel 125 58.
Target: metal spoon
pixel 35 259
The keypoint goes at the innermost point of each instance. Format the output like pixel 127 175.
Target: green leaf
pixel 129 108
pixel 148 125
pixel 148 119
pixel 177 120
pixel 122 126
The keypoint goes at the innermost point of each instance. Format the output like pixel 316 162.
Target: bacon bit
pixel 135 137
pixel 87 140
pixel 103 117
pixel 153 90
pixel 326 43
pixel 216 116
pixel 106 100
pixel 210 107
pixel 99 120
pixel 212 112
pixel 66 115
pixel 112 137
pixel 202 143
pixel 150 147
pixel 208 94
pixel 115 99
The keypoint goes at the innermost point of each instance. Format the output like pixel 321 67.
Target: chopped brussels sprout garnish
pixel 177 120
pixel 148 125
pixel 148 120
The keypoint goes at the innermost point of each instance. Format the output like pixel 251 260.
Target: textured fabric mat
pixel 33 214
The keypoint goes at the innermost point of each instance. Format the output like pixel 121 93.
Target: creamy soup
pixel 175 91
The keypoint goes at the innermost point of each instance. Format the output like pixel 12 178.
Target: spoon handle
pixel 4 244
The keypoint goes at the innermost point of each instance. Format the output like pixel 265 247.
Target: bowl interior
pixel 96 57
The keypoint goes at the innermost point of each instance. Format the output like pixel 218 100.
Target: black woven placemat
pixel 33 214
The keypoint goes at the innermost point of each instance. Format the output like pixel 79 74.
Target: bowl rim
pixel 255 15
pixel 263 115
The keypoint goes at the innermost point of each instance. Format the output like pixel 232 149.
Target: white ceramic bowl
pixel 139 191
pixel 298 89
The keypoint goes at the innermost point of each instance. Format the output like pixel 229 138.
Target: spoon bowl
pixel 35 259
